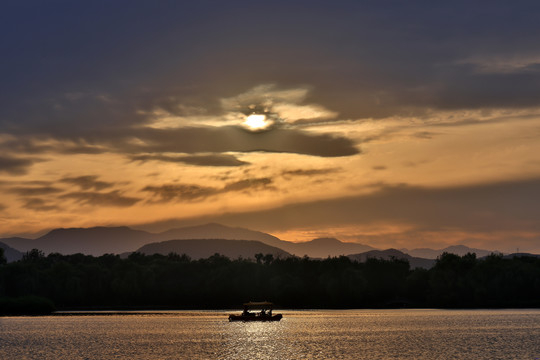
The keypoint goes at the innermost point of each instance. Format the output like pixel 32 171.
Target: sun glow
pixel 257 122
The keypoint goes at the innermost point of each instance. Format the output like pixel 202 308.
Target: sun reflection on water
pixel 255 340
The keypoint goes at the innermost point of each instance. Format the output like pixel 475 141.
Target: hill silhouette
pixel 10 253
pixel 414 262
pixel 324 247
pixel 454 249
pixel 204 248
pixel 218 231
pixel 90 241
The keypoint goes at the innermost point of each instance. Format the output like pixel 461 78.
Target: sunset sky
pixel 389 123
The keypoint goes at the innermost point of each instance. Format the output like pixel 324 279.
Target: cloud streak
pixel 34 191
pixel 191 192
pixel 15 165
pixel 309 172
pixel 87 182
pixel 199 160
pixel 38 204
pixel 91 198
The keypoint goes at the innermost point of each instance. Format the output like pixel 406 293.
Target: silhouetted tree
pixel 175 281
pixel 268 258
pixel 33 255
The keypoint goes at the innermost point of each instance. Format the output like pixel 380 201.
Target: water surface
pixel 348 334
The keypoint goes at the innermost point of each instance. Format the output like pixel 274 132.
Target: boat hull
pixel 276 317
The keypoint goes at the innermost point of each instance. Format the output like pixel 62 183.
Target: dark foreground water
pixel 349 334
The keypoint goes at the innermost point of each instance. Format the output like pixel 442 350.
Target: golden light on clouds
pixel 200 164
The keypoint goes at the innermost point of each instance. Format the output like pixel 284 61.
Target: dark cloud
pixel 15 165
pixel 34 191
pixel 38 204
pixel 180 192
pixel 200 160
pixel 379 167
pixel 309 172
pixel 229 138
pixel 190 192
pixel 87 182
pixel 248 185
pixel 362 59
pixel 204 146
pixel 2 207
pixel 41 144
pixel 112 198
pixel 424 135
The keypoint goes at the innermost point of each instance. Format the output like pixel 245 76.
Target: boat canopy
pixel 261 305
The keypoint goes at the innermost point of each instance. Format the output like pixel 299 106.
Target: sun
pixel 257 122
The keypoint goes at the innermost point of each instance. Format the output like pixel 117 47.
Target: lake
pixel 310 334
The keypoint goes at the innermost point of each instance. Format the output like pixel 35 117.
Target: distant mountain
pixel 324 247
pixel 455 249
pixel 17 243
pixel 91 241
pixel 414 262
pixel 218 231
pixel 10 253
pixel 204 248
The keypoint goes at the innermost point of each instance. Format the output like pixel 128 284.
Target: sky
pixel 399 124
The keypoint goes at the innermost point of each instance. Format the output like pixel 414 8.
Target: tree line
pixel 178 282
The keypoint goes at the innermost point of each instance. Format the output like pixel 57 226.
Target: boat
pixel 265 313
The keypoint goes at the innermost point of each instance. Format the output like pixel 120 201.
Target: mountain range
pixel 205 240
pixel 117 240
